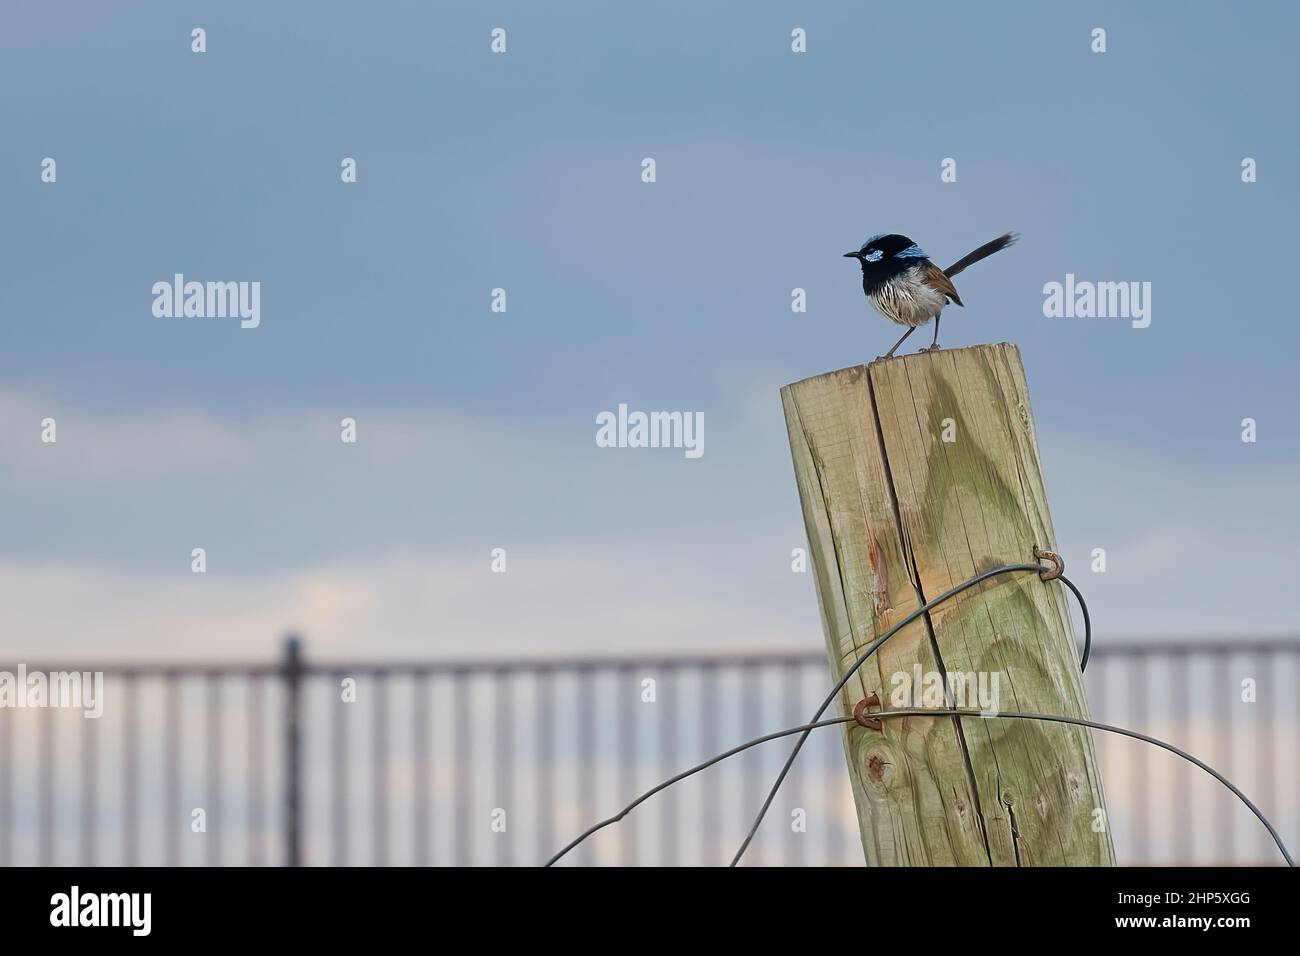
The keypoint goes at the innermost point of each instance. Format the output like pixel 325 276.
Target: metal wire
pixel 871 649
pixel 1087 622
pixel 805 728
pixel 942 712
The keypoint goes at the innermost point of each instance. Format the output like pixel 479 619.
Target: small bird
pixel 906 287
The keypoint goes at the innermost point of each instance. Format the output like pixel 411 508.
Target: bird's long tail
pixel 983 252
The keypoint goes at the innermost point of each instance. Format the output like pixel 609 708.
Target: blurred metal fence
pixel 500 763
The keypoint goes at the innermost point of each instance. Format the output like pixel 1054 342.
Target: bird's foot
pixel 930 348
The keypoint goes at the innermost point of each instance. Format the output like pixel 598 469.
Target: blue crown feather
pixel 911 252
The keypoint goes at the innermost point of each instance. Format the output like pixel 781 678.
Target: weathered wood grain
pixel 896 515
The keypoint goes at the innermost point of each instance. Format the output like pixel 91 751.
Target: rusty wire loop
pixel 873 719
pixel 1058 563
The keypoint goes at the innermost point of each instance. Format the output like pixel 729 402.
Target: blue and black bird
pixel 906 287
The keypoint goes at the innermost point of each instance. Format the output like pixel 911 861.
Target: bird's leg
pixel 891 352
pixel 934 346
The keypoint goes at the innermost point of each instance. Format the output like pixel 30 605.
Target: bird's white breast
pixel 907 300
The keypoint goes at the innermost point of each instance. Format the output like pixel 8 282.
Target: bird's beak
pixel 852 255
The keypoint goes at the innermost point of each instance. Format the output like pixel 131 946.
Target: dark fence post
pixel 292 672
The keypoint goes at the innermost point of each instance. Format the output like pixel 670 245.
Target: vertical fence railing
pixel 292 673
pixel 498 763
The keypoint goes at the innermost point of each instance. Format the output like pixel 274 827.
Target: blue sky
pixel 522 171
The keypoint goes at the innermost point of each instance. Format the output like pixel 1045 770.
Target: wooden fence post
pixel 915 474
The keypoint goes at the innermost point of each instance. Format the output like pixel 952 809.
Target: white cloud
pixel 93 445
pixel 551 601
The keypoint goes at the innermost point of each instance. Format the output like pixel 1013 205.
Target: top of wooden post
pixel 920 358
